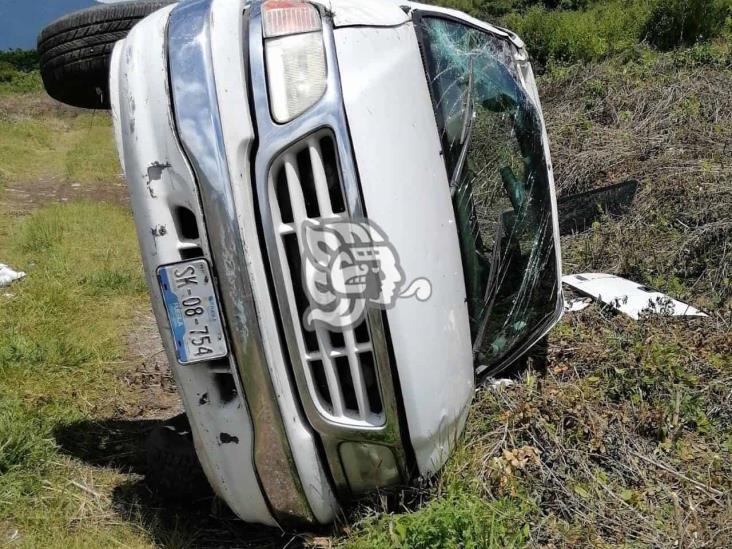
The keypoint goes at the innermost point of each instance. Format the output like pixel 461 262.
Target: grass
pixel 665 122
pixel 607 28
pixel 62 334
pixel 623 437
pixel 604 29
pixel 13 81
pixel 458 518
pixel 31 149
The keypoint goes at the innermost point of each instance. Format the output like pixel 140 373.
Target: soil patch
pixel 151 386
pixel 22 198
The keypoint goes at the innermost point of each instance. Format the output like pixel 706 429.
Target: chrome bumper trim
pixel 273 139
pixel 195 106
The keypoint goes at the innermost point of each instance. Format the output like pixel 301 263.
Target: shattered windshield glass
pixel 492 144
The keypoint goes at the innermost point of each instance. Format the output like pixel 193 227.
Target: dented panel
pixel 406 193
pixel 161 187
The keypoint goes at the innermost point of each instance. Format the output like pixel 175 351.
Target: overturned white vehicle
pixel 345 210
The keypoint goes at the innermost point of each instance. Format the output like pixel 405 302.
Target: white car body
pixel 189 101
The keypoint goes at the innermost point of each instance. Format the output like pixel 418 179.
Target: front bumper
pixel 259 454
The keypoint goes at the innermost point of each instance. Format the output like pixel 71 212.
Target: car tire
pixel 75 50
pixel 173 471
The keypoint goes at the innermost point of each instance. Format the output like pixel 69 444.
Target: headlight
pixel 295 57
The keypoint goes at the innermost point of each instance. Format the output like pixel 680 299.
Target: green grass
pixel 607 28
pixel 62 335
pixel 585 35
pixel 77 148
pixel 458 518
pixel 13 81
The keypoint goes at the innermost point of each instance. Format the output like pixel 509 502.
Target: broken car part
pixel 576 304
pixel 628 297
pixel 577 212
pixel 341 209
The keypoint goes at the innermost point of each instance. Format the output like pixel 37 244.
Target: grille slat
pixel 320 180
pixel 337 352
pixel 359 386
pixel 334 383
pixel 340 382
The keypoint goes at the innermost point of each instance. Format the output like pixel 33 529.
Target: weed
pixel 673 23
pixel 568 36
pixel 604 29
pixel 456 519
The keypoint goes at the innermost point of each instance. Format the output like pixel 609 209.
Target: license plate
pixel 193 312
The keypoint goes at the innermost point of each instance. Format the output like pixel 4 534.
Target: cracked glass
pixel 492 141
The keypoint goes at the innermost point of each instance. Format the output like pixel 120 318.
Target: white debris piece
pixel 500 383
pixel 577 304
pixel 8 275
pixel 628 297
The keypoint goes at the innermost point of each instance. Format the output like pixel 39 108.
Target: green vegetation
pixel 30 148
pixel 585 35
pixel 568 31
pixel 21 60
pixel 457 518
pixel 624 436
pixel 607 28
pixel 62 334
pixel 19 72
pixel 673 23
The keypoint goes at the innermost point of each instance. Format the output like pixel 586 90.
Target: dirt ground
pixel 148 375
pixel 21 198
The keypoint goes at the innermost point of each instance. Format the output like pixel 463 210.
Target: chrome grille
pixel 339 367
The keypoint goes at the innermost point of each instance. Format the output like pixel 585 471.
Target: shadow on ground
pixel 202 522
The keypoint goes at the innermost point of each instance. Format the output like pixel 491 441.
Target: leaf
pixel 626 495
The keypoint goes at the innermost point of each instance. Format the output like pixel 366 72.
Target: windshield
pixel 492 143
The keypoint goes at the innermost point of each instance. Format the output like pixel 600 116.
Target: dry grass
pixel 624 436
pixel 670 127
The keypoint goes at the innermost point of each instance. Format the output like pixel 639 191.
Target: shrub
pixel 19 71
pixel 22 60
pixel 673 23
pixel 586 35
pixel 15 81
pixel 7 71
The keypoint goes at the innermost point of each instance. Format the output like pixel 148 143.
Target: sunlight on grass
pixel 62 332
pixel 459 518
pixel 31 149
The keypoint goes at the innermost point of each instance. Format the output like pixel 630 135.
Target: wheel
pixel 173 470
pixel 75 50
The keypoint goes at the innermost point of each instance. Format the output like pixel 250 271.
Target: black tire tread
pixel 52 55
pixel 75 50
pixel 102 14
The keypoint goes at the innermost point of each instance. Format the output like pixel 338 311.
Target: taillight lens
pixel 295 57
